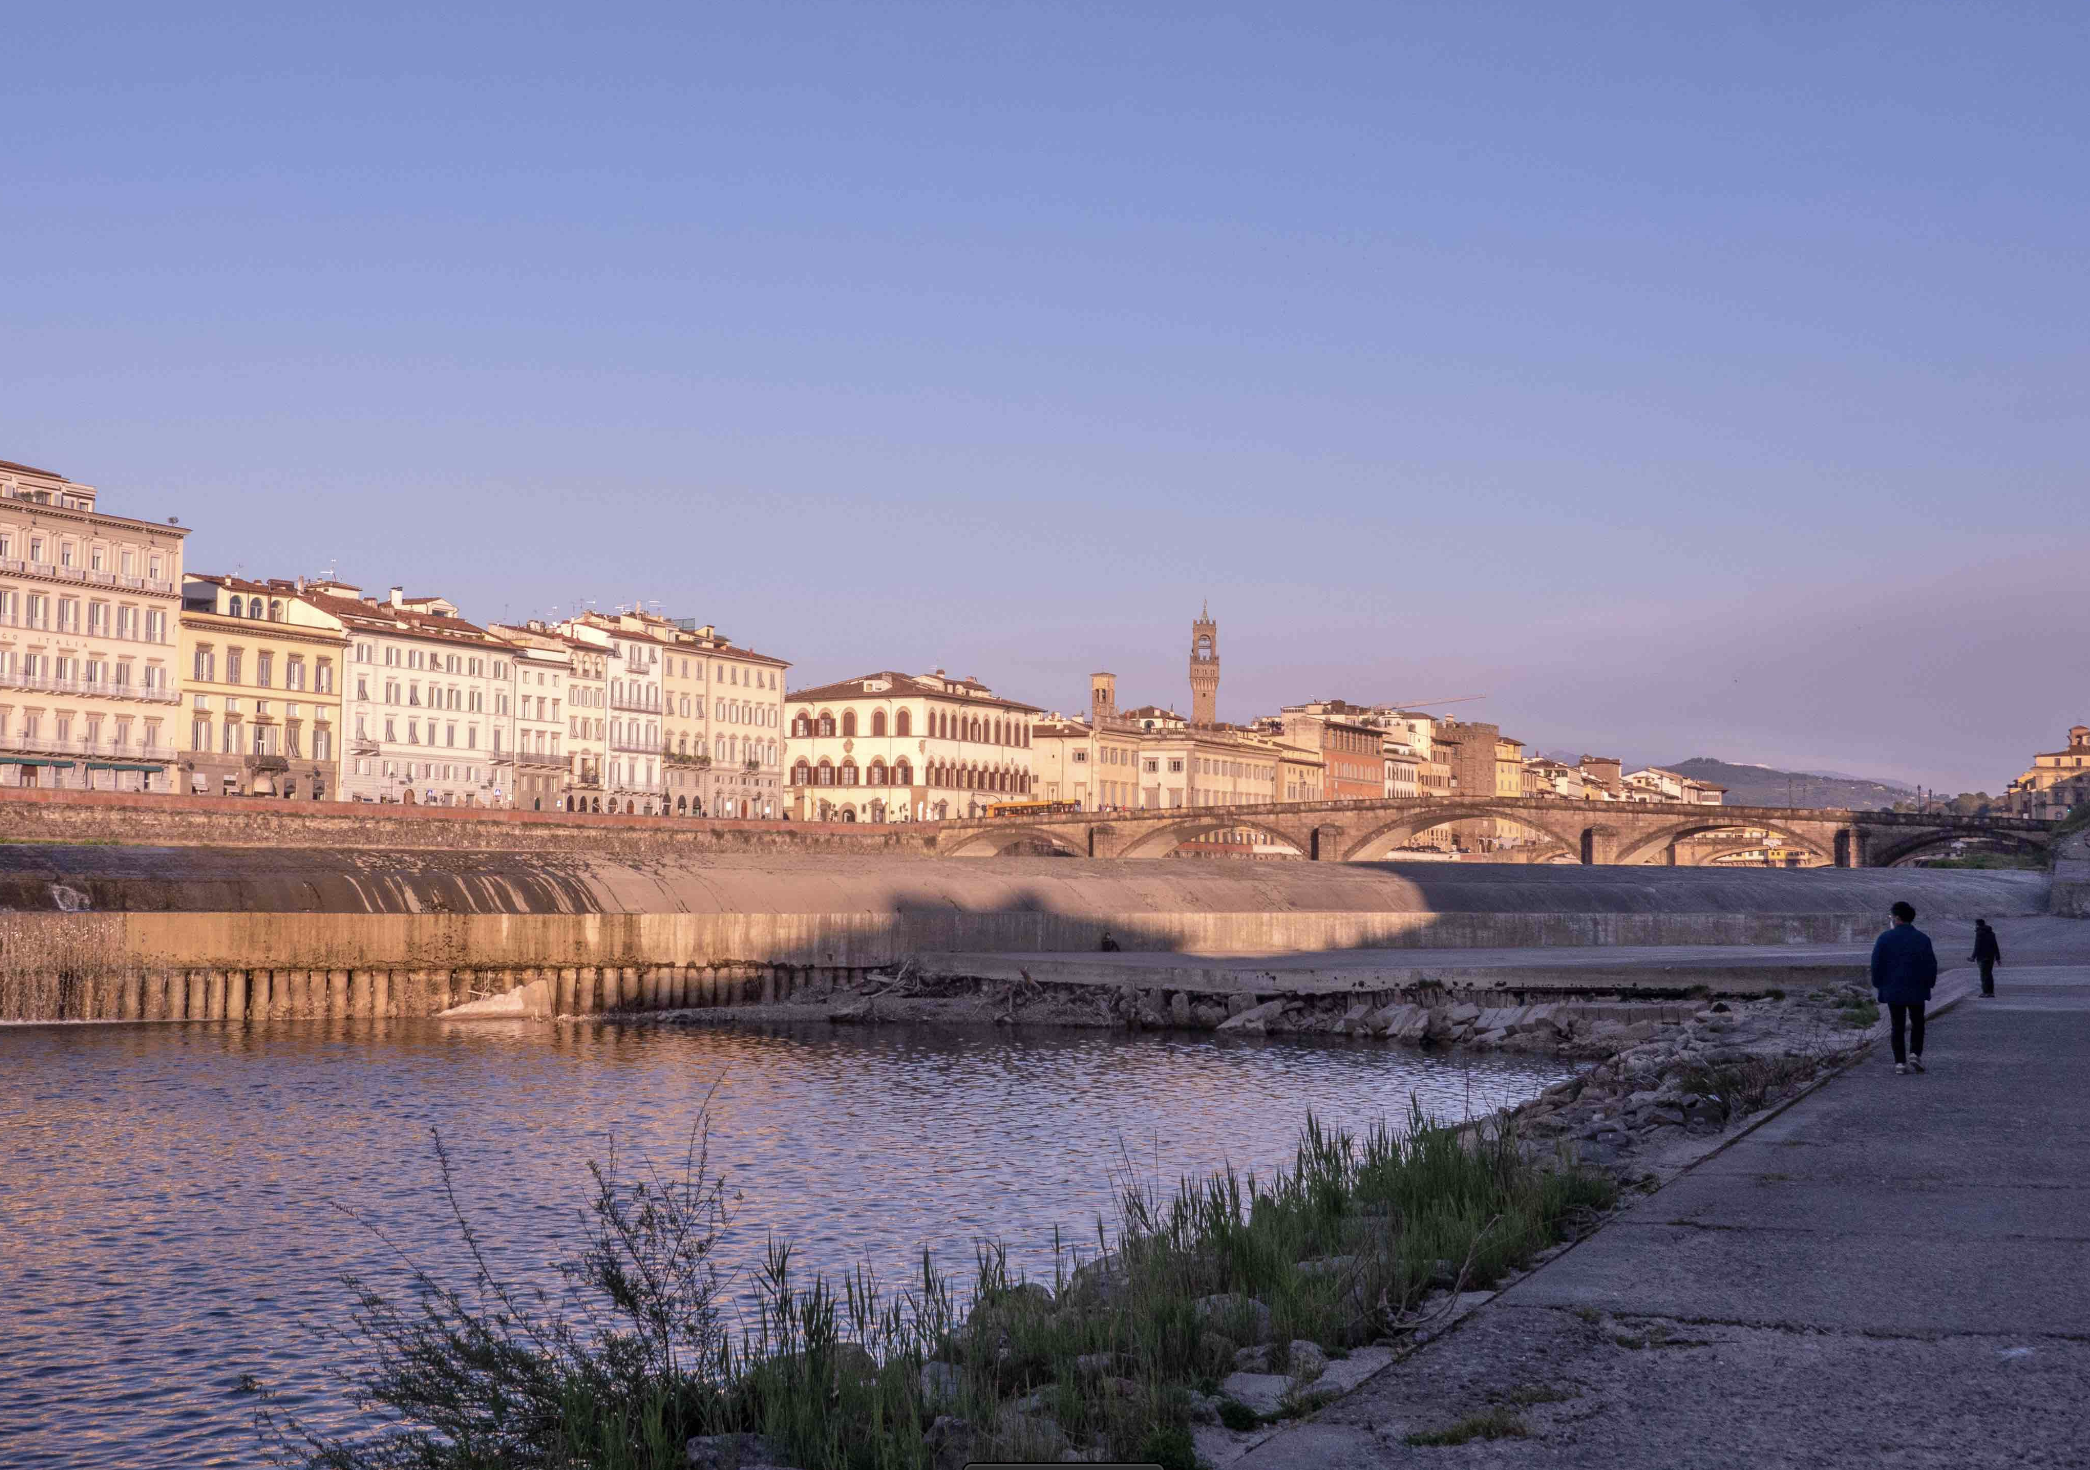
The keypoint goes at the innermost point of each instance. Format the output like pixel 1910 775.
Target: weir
pixel 262 933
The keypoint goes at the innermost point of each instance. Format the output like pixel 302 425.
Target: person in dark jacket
pixel 1904 968
pixel 1987 954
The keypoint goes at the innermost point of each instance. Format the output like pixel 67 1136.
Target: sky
pixel 1684 380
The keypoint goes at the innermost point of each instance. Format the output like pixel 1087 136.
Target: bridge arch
pixel 1378 843
pixel 1162 840
pixel 1642 845
pixel 1889 849
pixel 995 839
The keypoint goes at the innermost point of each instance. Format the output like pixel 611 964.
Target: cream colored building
pixel 2055 783
pixel 906 747
pixel 713 710
pixel 534 773
pixel 90 607
pixel 261 669
pixel 423 698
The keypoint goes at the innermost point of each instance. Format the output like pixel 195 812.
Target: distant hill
pixel 1762 786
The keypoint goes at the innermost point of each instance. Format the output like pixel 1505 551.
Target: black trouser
pixel 1988 977
pixel 1906 1014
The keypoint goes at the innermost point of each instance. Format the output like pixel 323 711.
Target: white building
pixel 898 747
pixel 424 703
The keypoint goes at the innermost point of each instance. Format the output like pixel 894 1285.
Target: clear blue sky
pixel 1704 379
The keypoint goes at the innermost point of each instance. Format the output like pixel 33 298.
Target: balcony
pixel 541 760
pixel 629 746
pixel 636 702
pixel 98 689
pixel 14 740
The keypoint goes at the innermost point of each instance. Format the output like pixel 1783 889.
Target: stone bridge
pixel 1588 832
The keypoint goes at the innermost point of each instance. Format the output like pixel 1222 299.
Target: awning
pixel 34 760
pixel 121 766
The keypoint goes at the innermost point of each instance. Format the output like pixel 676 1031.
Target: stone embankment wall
pixel 2071 892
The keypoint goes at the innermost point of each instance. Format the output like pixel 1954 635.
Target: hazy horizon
pixel 1702 382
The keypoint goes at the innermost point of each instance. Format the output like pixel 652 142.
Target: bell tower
pixel 1204 669
pixel 1103 697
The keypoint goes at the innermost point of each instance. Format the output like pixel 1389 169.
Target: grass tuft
pixel 1497 1423
pixel 634 1354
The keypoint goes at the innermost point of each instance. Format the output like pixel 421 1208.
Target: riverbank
pixel 1891 1270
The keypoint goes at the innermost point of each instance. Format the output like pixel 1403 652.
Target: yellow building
pixel 89 604
pixel 261 670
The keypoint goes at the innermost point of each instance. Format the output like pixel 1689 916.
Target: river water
pixel 176 1200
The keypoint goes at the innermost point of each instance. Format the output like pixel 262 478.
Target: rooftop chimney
pixel 398 596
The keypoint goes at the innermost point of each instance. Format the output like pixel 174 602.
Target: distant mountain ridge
pixel 1762 786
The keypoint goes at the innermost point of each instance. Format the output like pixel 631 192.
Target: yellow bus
pixel 1032 808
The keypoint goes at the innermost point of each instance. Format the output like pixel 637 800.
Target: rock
pixel 1207 1015
pixel 1263 1392
pixel 733 1452
pixel 1215 1352
pixel 1179 1008
pixel 1097 1365
pixel 851 1014
pixel 1463 1013
pixel 1257 1020
pixel 1202 1408
pixel 854 1363
pixel 1444 1273
pixel 1037 1401
pixel 1328 1266
pixel 1344 1374
pixel 1239 1316
pixel 949 1442
pixel 1100 1281
pixel 1020 1436
pixel 1252 1360
pixel 942 1384
pixel 1305 1361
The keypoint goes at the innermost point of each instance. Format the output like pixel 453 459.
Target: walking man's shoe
pixel 1915 1064
pixel 1900 1070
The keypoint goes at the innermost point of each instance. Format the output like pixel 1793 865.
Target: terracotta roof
pixel 908 686
pixel 30 469
pixel 385 618
pixel 1050 728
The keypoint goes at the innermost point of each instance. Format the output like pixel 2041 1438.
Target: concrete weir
pixel 273 933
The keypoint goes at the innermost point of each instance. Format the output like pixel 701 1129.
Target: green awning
pixel 121 766
pixel 34 760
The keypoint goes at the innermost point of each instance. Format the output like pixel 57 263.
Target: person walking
pixel 1904 968
pixel 1987 954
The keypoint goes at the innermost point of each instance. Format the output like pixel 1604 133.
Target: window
pixel 877 729
pixel 206 668
pixel 294 674
pixel 264 668
pixel 232 665
pixel 903 723
pixel 155 624
pixel 848 728
pixel 199 736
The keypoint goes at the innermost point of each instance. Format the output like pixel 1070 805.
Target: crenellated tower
pixel 1204 669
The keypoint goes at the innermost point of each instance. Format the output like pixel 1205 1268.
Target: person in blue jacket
pixel 1904 968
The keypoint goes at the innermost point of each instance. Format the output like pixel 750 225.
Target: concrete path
pixel 1894 1272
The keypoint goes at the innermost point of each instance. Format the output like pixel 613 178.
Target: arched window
pixel 827 774
pixel 1025 787
pixel 849 723
pixel 877 773
pixel 826 724
pixel 877 723
pixel 903 773
pixel 848 773
pixel 235 608
pixel 275 611
pixel 801 725
pixel 903 723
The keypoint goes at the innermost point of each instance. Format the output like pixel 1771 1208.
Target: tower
pixel 1103 697
pixel 1204 669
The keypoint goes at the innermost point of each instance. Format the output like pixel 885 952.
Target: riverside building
pixel 261 685
pixel 541 666
pixel 421 699
pixel 892 747
pixel 90 604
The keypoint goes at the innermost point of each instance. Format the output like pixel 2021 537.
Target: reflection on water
pixel 172 1197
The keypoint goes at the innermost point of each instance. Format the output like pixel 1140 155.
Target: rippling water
pixel 172 1197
